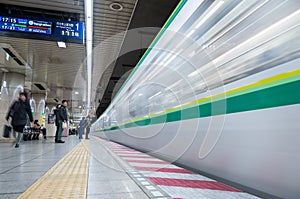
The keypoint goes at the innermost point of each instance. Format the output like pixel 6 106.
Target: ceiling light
pixel 76 92
pixel 7 57
pixel 190 33
pixel 61 44
pixel 211 12
pixel 5 70
pixel 4 84
pixel 116 6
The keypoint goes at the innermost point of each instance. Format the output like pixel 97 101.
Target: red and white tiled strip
pixel 175 181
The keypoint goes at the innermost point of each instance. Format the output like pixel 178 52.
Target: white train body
pixel 218 92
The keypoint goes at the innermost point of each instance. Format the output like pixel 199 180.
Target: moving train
pixel 218 91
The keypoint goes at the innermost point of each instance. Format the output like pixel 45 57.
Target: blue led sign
pixel 25 25
pixel 53 30
pixel 69 29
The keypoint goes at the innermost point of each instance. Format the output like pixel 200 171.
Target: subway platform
pixel 98 168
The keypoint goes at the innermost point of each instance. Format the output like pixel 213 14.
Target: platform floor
pixel 97 168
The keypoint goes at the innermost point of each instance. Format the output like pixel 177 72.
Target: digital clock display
pixel 25 25
pixel 52 30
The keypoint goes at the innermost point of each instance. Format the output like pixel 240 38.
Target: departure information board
pixel 25 25
pixel 70 29
pixel 53 30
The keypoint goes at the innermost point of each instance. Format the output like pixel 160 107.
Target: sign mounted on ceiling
pixel 25 25
pixel 52 30
pixel 69 29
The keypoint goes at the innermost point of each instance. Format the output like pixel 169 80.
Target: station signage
pixel 25 25
pixel 69 29
pixel 53 30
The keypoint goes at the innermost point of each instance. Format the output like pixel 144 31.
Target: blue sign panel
pixel 52 30
pixel 51 119
pixel 69 29
pixel 25 25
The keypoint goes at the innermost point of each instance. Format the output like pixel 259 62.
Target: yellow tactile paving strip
pixel 67 179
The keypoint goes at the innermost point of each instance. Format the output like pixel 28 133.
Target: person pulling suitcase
pixel 18 112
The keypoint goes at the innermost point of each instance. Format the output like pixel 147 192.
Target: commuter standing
pixel 56 112
pixel 81 127
pixel 19 113
pixel 88 126
pixel 62 118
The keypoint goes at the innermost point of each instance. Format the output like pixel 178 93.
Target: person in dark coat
pixel 62 117
pixel 56 111
pixel 81 127
pixel 19 112
pixel 88 127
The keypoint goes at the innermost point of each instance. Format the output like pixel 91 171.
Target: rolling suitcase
pixel 6 131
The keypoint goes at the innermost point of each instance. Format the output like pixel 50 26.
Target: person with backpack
pixel 81 127
pixel 19 112
pixel 62 118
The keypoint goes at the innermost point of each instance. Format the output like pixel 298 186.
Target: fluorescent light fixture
pixel 76 92
pixel 4 84
pixel 259 37
pixel 166 62
pixel 211 12
pixel 240 9
pixel 192 54
pixel 7 57
pixel 190 33
pixel 166 58
pixel 155 95
pixel 169 61
pixel 61 44
pixel 175 84
pixel 5 70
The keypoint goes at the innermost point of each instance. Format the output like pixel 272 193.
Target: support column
pixel 38 105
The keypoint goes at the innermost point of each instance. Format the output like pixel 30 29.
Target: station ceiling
pixel 61 71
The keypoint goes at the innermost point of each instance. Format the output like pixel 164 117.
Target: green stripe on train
pixel 280 95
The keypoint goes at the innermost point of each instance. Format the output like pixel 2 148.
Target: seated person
pixel 44 131
pixel 37 129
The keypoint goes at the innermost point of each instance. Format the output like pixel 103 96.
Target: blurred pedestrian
pixel 56 112
pixel 87 127
pixel 81 127
pixel 19 112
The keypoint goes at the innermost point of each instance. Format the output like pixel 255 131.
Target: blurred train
pixel 218 91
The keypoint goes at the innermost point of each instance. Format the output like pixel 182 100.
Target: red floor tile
pixel 170 170
pixel 201 184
